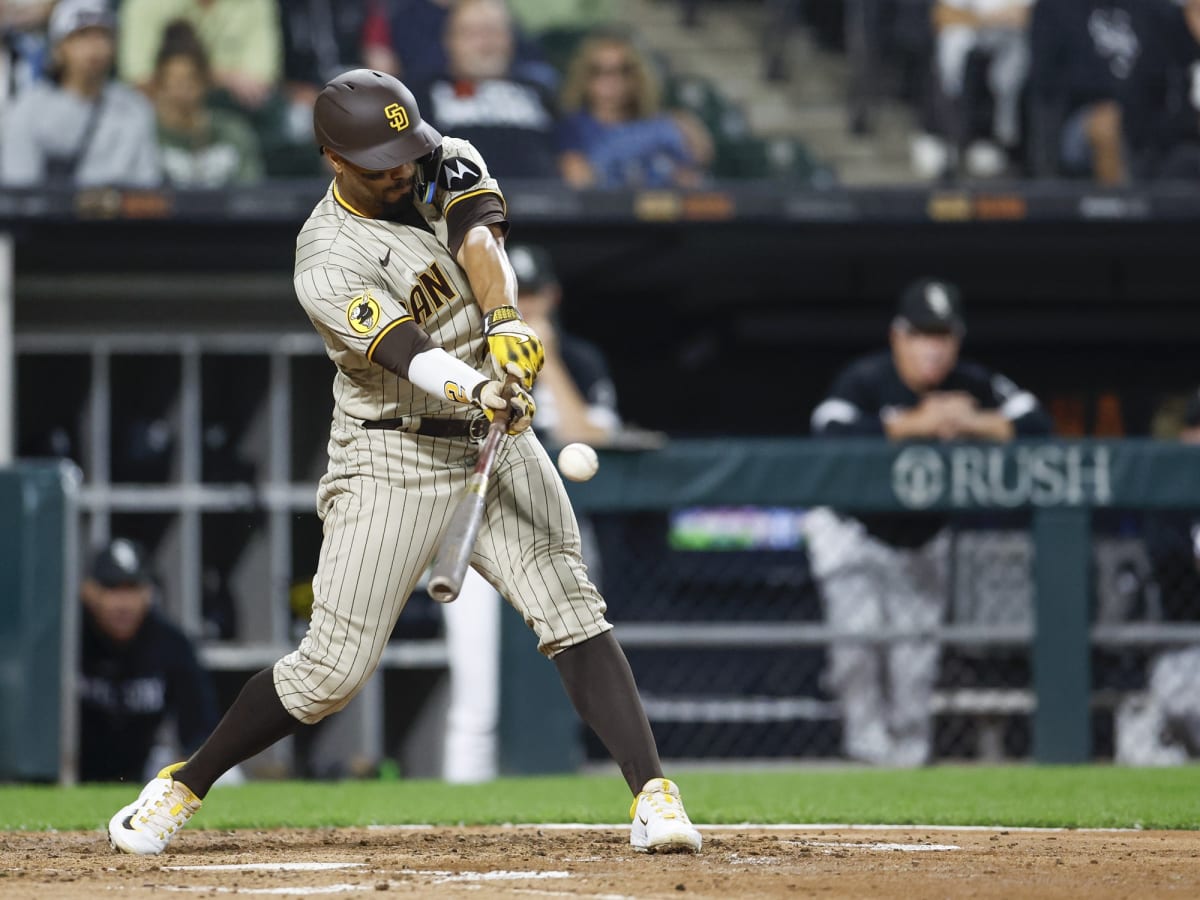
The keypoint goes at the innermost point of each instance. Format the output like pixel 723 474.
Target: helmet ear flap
pixel 425 178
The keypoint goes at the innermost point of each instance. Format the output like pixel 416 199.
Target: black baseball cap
pixel 121 563
pixel 533 267
pixel 932 306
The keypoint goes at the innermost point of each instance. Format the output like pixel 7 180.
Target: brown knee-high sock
pixel 255 721
pixel 600 684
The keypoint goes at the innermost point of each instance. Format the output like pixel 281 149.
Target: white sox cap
pixel 932 305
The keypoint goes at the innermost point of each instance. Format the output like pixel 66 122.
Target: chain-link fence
pixel 893 639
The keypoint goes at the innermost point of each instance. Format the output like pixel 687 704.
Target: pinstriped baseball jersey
pixel 357 278
pixel 387 495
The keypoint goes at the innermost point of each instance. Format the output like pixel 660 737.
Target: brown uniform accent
pixel 484 207
pixel 398 343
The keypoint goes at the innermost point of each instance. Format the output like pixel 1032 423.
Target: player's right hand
pixel 491 396
pixel 515 347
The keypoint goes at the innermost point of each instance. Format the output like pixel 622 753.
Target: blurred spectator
pixel 137 670
pixel 879 572
pixel 22 44
pixel 614 133
pixel 81 128
pixel 1162 725
pixel 242 38
pixel 482 98
pixel 404 37
pixel 999 30
pixel 200 147
pixel 576 401
pixel 409 39
pixel 1160 100
pixel 321 40
pixel 1082 51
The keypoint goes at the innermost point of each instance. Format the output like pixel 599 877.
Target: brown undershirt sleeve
pixel 469 210
pixel 397 344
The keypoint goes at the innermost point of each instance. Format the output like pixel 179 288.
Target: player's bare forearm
pixel 483 258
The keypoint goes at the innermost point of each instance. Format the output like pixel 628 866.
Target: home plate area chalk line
pixel 436 876
pixel 776 826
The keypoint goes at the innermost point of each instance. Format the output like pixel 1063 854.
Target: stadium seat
pixel 776 157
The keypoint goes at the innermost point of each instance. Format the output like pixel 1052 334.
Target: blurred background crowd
pixel 204 93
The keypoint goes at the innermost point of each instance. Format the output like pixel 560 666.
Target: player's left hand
pixel 515 347
pixel 492 396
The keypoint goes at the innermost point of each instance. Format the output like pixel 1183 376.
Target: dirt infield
pixel 598 863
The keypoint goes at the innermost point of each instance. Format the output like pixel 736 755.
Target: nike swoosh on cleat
pixel 643 820
pixel 128 823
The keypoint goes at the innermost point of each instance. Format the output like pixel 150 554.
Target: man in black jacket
pixel 880 572
pixel 136 670
pixel 1082 52
pixel 1160 100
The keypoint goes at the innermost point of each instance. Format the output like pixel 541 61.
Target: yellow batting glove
pixel 515 348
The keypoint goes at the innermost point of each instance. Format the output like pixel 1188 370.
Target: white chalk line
pixel 499 875
pixel 878 845
pixel 777 826
pixel 438 876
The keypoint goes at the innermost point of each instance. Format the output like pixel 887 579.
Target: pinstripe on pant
pixel 385 503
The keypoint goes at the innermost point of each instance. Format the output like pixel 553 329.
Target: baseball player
pixel 891 570
pixel 401 268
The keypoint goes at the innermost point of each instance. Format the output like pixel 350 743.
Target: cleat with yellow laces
pixel 660 823
pixel 146 826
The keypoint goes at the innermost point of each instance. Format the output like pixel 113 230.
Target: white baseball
pixel 578 462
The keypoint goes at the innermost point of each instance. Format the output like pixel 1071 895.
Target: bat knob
pixel 442 589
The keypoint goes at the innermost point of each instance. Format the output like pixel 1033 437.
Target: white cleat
pixel 660 823
pixel 146 826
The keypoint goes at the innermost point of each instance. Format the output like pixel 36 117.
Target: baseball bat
pixel 454 553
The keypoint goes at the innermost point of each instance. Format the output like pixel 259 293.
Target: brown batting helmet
pixel 371 119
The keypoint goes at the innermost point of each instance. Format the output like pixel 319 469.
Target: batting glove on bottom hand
pixel 515 348
pixel 491 396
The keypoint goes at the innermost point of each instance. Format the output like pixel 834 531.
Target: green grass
pixel 1049 796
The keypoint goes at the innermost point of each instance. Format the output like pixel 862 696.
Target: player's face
pixel 86 54
pixel 924 359
pixel 118 611
pixel 375 193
